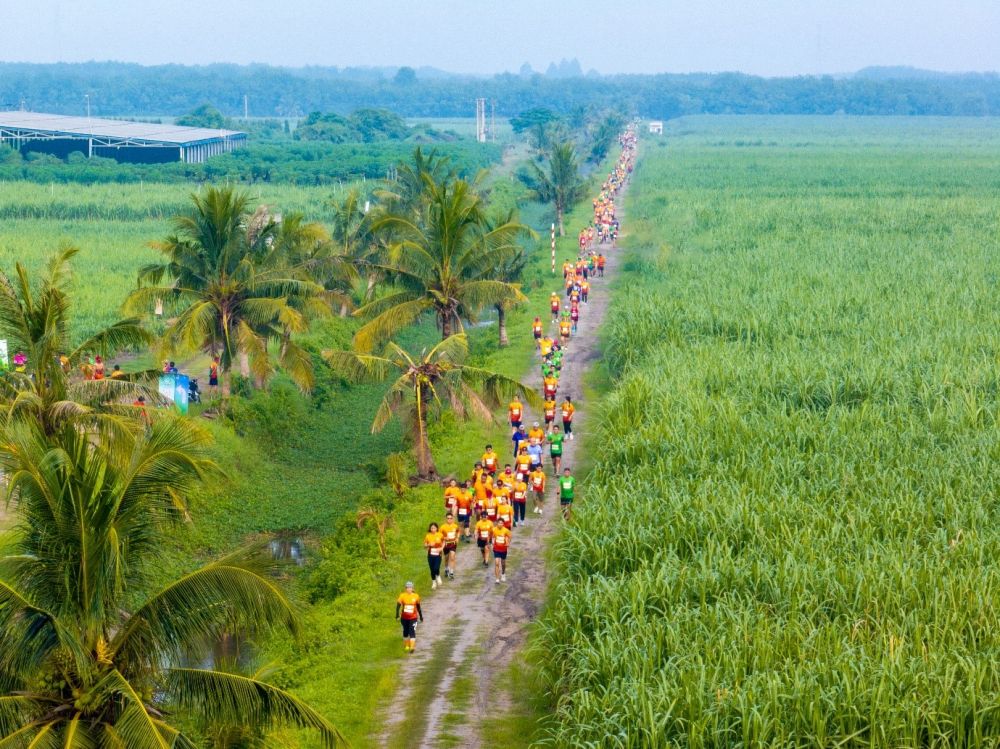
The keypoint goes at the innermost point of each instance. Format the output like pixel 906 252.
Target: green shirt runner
pixel 566 486
pixel 555 444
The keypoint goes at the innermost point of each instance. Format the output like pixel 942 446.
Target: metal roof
pixel 93 127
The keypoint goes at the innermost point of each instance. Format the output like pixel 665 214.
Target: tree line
pixel 126 89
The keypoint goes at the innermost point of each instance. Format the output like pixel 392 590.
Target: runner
pixel 484 533
pixel 451 495
pixel 568 409
pixel 549 409
pixel 434 543
pixel 535 452
pixel 537 478
pixel 516 412
pixel 567 490
pixel 549 386
pixel 536 433
pixel 449 530
pixel 464 510
pixel 408 611
pixel 584 290
pixel 490 460
pixel 505 513
pixel 518 437
pixel 536 329
pixel 565 328
pixel 555 448
pixel 522 465
pixel 501 543
pixel 520 500
pixel 574 316
pixel 554 306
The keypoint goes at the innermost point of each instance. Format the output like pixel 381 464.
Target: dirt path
pixel 472 626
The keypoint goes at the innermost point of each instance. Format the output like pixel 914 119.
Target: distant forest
pixel 121 89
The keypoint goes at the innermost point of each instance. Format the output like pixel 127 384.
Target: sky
pixel 768 37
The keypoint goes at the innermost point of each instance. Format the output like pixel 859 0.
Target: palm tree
pixel 406 193
pixel 356 248
pixel 426 382
pixel 234 291
pixel 561 185
pixel 91 655
pixel 440 263
pixel 510 271
pixel 35 319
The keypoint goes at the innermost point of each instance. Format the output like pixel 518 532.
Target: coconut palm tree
pixel 440 262
pixel 234 291
pixel 406 194
pixel 35 318
pixel 561 185
pixel 426 382
pixel 91 654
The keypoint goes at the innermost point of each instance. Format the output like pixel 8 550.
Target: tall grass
pixel 790 535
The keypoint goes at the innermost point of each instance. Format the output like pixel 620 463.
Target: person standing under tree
pixel 213 374
pixel 434 543
pixel 408 612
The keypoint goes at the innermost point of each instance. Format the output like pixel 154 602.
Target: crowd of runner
pixel 492 502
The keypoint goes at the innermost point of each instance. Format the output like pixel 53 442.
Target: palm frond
pixel 241 700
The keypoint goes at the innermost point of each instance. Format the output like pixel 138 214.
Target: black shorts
pixel 464 520
pixel 567 427
pixel 564 502
pixel 213 381
pixel 538 335
pixel 499 554
pixel 550 419
pixel 481 543
pixel 515 424
pixel 409 628
pixel 450 547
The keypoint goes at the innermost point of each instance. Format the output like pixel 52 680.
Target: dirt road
pixel 472 625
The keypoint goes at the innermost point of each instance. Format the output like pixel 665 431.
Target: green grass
pixel 788 537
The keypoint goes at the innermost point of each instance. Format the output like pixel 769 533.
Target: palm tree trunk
pixel 227 383
pixel 343 310
pixel 244 365
pixel 559 219
pixel 426 470
pixel 445 325
pixel 502 325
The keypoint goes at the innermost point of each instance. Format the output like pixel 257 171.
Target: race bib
pixel 435 551
pixel 409 608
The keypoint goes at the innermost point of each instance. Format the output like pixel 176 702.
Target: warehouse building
pixel 131 142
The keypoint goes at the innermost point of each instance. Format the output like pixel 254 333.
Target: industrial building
pixel 132 142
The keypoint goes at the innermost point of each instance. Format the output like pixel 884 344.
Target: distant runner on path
pixel 408 612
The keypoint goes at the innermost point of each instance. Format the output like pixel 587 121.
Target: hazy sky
pixel 768 37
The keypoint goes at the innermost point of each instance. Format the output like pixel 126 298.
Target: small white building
pixel 656 127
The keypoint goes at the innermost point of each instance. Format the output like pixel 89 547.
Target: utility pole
pixel 480 120
pixel 493 120
pixel 246 107
pixel 90 135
